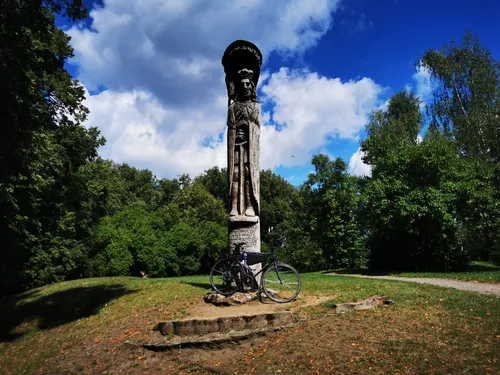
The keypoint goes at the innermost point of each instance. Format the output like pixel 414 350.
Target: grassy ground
pixel 478 271
pixel 80 327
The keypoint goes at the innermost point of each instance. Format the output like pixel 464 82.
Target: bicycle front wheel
pixel 222 278
pixel 281 283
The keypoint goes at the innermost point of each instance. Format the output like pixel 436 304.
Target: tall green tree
pixel 276 196
pixel 466 102
pixel 42 144
pixel 333 205
pixel 417 208
pixel 215 181
pixel 389 130
pixel 466 108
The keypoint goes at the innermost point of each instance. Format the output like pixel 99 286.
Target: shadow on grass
pixel 204 286
pixel 55 309
pixel 483 267
pixel 357 271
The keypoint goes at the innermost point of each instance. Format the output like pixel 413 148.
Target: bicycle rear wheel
pixel 222 278
pixel 281 283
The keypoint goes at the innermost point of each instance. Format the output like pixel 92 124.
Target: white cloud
pixel 356 165
pixel 142 132
pixel 173 48
pixel 165 104
pixel 310 110
pixel 425 86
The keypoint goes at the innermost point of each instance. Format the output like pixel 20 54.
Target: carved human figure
pixel 243 148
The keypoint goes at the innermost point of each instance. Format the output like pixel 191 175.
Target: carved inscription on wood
pixel 248 234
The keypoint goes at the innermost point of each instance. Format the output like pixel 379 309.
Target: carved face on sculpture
pixel 245 89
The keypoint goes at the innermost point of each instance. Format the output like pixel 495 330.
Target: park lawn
pixel 81 326
pixel 478 271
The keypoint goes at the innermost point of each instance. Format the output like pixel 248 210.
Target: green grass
pixel 80 326
pixel 477 271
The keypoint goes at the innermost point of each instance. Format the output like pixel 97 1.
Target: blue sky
pixel 156 85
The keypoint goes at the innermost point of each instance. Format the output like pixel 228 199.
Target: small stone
pixel 130 345
pixel 217 299
pixel 369 303
pixel 241 298
pixel 237 298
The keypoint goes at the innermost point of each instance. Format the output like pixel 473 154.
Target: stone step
pixel 224 324
pixel 215 333
pixel 209 341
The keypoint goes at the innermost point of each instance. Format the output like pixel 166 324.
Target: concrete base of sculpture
pixel 244 230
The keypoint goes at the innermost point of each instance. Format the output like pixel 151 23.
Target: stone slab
pixel 367 304
pixel 237 298
pixel 192 327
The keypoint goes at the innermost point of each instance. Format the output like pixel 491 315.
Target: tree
pixel 392 129
pixel 167 188
pixel 415 208
pixel 42 144
pixel 184 237
pixel 141 184
pixel 466 108
pixel 333 204
pixel 215 181
pixel 276 196
pixel 466 102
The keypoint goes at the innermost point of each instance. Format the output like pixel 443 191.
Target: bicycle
pixel 279 281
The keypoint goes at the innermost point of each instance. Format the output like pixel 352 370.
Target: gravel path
pixel 483 288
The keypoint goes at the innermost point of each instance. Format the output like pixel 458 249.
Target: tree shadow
pixel 204 286
pixel 55 309
pixel 358 271
pixel 483 268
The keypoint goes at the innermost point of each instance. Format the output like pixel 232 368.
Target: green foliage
pixel 326 213
pixel 215 181
pixel 184 237
pixel 276 196
pixel 66 213
pixel 412 209
pixel 42 145
pixel 467 101
pixel 392 129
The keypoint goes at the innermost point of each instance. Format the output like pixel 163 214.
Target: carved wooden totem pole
pixel 242 61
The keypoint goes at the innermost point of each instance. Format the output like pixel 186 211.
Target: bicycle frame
pixel 264 267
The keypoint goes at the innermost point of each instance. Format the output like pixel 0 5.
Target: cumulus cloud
pixel 356 165
pixel 169 141
pixel 425 86
pixel 308 111
pixel 165 105
pixel 173 48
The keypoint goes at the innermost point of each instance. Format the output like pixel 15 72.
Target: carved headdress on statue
pixel 240 56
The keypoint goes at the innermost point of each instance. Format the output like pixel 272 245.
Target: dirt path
pixel 207 310
pixel 483 288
